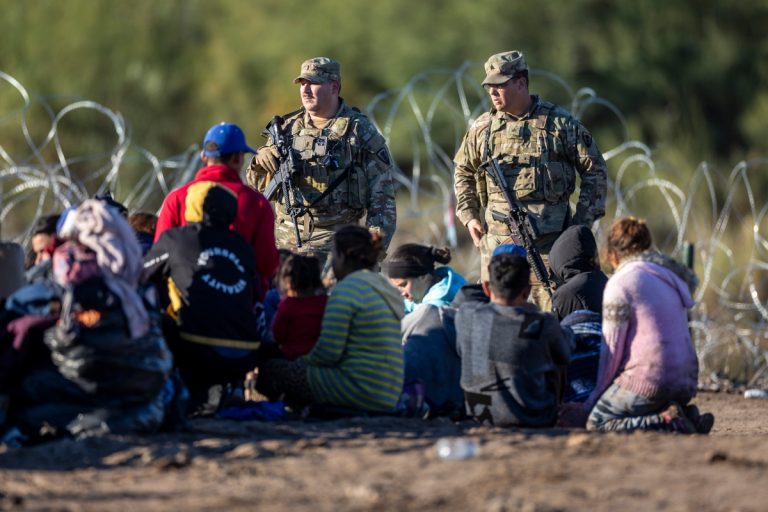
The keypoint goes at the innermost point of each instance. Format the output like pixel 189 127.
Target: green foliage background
pixel 690 76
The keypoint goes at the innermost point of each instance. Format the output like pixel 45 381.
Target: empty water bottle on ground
pixel 456 448
pixel 756 393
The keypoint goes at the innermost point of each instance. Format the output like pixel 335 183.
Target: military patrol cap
pixel 319 71
pixel 501 67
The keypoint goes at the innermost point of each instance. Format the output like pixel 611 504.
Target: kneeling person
pixel 510 351
pixel 214 332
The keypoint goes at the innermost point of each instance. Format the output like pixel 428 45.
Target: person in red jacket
pixel 223 152
pixel 299 315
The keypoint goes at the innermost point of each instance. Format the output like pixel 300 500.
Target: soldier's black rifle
pixel 519 223
pixel 292 198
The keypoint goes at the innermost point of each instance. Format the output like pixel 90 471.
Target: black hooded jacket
pixel 574 264
pixel 212 274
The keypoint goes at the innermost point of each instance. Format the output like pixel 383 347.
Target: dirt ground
pixel 390 464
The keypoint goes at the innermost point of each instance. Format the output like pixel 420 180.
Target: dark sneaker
pixel 676 421
pixel 705 423
pixel 702 422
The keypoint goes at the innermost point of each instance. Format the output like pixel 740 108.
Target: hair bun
pixel 440 254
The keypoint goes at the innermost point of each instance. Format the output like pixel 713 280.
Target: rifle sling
pixel 334 184
pixel 309 224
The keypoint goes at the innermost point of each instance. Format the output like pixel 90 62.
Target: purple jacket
pixel 648 348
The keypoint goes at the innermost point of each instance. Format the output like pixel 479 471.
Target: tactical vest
pixel 534 154
pixel 323 155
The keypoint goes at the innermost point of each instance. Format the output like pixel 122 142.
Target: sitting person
pixel 108 366
pixel 358 361
pixel 648 368
pixel 474 292
pixel 428 333
pixel 510 351
pixel 299 315
pixel 411 269
pixel 429 341
pixel 578 303
pixel 581 373
pixel 42 243
pixel 575 266
pixel 11 268
pixel 272 300
pixel 211 328
pixel 144 224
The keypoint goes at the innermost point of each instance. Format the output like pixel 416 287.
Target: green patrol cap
pixel 501 67
pixel 319 71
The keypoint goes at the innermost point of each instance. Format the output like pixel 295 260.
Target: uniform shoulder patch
pixel 383 155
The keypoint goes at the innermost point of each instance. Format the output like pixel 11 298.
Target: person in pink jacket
pixel 648 370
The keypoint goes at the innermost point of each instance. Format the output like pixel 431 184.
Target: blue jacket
pixel 442 292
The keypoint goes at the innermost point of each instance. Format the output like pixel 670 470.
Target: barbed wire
pixel 50 184
pixel 714 213
pixel 701 210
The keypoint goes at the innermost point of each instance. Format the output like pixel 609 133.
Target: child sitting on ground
pixel 510 350
pixel 299 315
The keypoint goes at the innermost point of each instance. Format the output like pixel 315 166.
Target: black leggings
pixel 281 378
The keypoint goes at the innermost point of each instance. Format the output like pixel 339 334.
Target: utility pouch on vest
pixel 558 180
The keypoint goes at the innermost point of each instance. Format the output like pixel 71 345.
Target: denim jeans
pixel 620 410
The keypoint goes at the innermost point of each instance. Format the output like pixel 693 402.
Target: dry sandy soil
pixel 390 464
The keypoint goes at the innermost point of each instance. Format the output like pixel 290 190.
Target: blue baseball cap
pixel 225 138
pixel 509 249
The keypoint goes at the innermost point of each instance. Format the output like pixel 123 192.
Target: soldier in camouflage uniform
pixel 539 148
pixel 330 138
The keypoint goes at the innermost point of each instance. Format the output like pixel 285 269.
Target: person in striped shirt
pixel 358 359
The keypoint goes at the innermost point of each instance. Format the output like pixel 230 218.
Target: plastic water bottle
pixel 456 448
pixel 756 393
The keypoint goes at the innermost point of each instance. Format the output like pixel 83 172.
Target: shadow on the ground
pixel 213 439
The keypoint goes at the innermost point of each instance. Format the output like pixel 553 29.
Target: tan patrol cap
pixel 501 67
pixel 319 71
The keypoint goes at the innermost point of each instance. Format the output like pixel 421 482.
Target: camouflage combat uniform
pixel 539 154
pixel 351 141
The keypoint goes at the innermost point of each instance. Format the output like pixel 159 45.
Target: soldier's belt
pixel 324 217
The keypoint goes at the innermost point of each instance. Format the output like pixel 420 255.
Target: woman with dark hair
pixel 428 331
pixel 648 369
pixel 411 269
pixel 358 360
